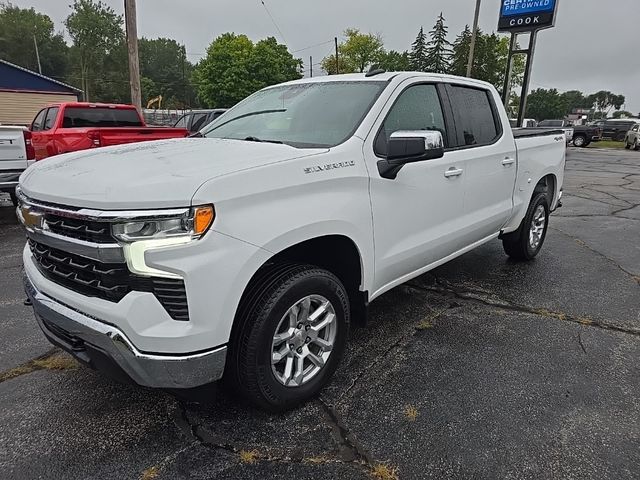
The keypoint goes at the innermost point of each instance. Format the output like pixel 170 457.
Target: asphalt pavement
pixel 482 368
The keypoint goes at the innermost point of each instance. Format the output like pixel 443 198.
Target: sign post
pixel 524 16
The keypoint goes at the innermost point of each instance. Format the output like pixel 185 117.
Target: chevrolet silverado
pixel 248 252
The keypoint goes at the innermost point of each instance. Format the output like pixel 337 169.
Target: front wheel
pixel 292 331
pixel 636 147
pixel 526 242
pixel 579 141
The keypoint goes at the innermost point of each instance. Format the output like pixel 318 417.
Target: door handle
pixel 508 161
pixel 453 172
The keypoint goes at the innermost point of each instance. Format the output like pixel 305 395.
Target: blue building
pixel 23 93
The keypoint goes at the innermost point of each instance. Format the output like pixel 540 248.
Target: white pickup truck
pixel 247 253
pixel 16 154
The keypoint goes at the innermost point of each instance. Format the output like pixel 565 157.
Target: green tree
pixel 164 62
pixel 604 100
pixel 622 114
pixel 438 48
pixel 357 53
pixel 393 61
pixel 418 54
pixel 574 99
pixel 235 68
pixel 18 29
pixel 545 104
pixel 96 32
pixel 460 53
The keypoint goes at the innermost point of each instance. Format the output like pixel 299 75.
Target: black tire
pixel 636 147
pixel 278 288
pixel 14 198
pixel 627 145
pixel 580 141
pixel 517 244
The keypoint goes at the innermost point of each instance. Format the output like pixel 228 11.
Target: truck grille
pixel 95 232
pixel 108 281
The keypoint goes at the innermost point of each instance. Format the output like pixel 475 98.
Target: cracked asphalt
pixel 483 368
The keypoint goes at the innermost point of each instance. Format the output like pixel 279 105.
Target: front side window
pixel 38 122
pixel 198 121
pixel 474 117
pixel 51 118
pixel 417 108
pixel 303 115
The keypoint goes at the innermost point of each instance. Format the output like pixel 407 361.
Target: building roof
pixel 17 78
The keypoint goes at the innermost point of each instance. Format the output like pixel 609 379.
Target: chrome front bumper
pixel 91 341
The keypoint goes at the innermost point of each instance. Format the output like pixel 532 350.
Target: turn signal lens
pixel 202 219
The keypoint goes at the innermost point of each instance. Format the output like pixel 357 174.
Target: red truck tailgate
pixel 120 135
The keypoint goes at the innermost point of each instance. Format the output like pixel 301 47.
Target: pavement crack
pixel 442 288
pixel 583 244
pixel 349 448
pixel 581 343
pixel 54 359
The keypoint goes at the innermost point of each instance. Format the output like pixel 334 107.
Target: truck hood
pixel 157 174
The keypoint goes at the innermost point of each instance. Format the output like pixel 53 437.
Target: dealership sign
pixel 526 15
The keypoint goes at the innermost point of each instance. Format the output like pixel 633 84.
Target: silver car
pixel 632 139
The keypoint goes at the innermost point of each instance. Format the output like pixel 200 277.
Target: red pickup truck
pixel 68 127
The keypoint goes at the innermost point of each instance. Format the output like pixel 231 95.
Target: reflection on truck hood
pixel 146 175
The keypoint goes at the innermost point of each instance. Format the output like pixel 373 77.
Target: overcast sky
pixel 590 48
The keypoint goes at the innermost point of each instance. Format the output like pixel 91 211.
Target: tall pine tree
pixel 418 54
pixel 439 48
pixel 460 55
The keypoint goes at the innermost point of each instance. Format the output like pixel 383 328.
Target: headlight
pixel 141 235
pixel 192 225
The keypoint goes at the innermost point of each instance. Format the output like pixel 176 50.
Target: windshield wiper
pixel 251 114
pixel 256 139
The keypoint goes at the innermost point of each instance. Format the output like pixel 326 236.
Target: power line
pixel 274 21
pixel 312 46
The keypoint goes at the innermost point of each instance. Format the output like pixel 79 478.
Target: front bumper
pixel 105 347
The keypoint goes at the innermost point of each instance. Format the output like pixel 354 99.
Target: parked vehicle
pixel 565 125
pixel 69 127
pixel 583 135
pixel 616 129
pixel 632 138
pixel 196 119
pixel 526 123
pixel 248 252
pixel 16 154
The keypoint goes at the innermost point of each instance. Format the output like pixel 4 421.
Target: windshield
pixel 301 115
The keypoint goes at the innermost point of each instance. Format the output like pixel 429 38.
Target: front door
pixel 416 215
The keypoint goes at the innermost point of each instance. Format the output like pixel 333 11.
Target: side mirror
pixel 408 146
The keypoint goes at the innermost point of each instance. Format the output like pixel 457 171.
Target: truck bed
pixel 536 132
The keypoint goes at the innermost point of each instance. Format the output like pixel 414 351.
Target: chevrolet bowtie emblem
pixel 31 219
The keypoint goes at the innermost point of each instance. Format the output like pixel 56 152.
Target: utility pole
pixel 132 47
pixel 337 62
pixel 311 66
pixel 35 42
pixel 472 47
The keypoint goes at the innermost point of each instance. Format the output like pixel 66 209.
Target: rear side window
pixel 76 117
pixel 51 118
pixel 182 122
pixel 38 122
pixel 474 116
pixel 417 108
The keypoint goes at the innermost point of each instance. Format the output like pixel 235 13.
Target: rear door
pixel 491 160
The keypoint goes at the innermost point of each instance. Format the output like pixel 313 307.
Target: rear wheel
pixel 291 334
pixel 526 242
